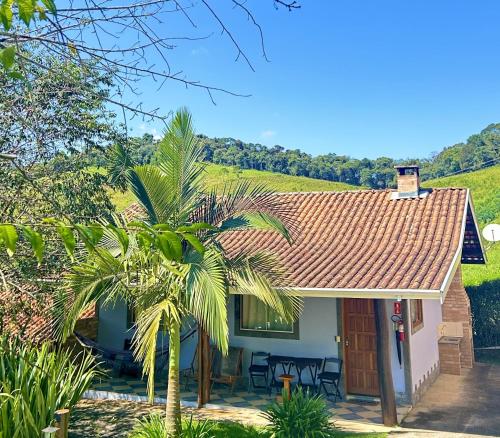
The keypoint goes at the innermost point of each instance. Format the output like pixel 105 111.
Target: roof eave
pixel 388 294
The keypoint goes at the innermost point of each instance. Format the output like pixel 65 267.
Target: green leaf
pixel 68 239
pixel 194 242
pixel 170 245
pixel 6 13
pixel 122 237
pixel 90 235
pixel 16 75
pixel 9 237
pixel 198 226
pixel 144 239
pixel 26 10
pixel 50 5
pixel 7 57
pixel 163 227
pixel 36 241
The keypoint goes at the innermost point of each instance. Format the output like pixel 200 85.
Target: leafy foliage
pixel 300 416
pixel 480 149
pixel 35 381
pixel 153 426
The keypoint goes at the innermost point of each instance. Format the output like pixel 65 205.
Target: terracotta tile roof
pixel 25 316
pixel 365 240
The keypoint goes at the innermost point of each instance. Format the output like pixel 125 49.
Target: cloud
pixel 155 134
pixel 199 51
pixel 142 127
pixel 268 133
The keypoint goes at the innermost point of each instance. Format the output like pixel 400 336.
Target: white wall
pixel 398 374
pixel 317 331
pixel 113 331
pixel 424 343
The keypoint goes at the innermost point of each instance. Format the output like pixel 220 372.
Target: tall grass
pixel 37 381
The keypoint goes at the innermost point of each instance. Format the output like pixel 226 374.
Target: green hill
pixel 482 281
pixel 485 188
pixel 218 175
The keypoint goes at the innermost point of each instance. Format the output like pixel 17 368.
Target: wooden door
pixel 360 347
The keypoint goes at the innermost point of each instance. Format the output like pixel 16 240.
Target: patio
pixel 134 389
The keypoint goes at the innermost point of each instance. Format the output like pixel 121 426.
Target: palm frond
pixel 179 157
pixel 206 294
pixel 243 206
pixel 150 322
pixel 260 275
pixel 119 165
pixel 102 276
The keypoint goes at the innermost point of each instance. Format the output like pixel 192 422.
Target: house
pixel 403 246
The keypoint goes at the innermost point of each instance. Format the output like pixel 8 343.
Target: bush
pixel 153 426
pixel 37 381
pixel 301 416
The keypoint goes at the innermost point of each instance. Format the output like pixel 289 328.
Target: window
pixel 254 318
pixel 417 315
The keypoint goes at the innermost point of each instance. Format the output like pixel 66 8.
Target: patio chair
pixel 191 373
pixel 227 370
pixel 330 374
pixel 259 368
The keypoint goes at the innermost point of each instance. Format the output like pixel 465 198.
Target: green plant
pixel 153 426
pixel 170 265
pixel 300 416
pixel 37 381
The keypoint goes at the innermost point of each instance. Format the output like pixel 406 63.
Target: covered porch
pixel 248 403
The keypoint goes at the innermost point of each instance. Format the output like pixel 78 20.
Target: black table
pixel 299 363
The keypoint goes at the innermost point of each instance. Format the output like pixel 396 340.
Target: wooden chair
pixel 227 370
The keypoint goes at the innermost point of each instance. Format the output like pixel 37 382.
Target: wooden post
pixel 287 378
pixel 204 371
pixel 62 422
pixel 386 385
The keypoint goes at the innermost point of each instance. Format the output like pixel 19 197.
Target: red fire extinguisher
pixel 401 331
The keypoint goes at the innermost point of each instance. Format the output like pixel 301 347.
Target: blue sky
pixel 363 78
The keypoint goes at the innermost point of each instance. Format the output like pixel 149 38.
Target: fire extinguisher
pixel 399 331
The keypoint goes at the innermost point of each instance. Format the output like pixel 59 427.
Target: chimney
pixel 408 181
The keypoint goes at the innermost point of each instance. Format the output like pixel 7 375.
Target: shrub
pixel 301 416
pixel 37 381
pixel 153 426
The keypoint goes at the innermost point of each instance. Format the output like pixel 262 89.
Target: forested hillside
pixel 480 150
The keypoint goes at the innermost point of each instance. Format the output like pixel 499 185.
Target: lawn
pixel 115 419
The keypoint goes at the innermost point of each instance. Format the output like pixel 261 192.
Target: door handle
pixel 346 342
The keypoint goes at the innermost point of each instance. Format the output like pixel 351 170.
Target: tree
pixel 119 39
pixel 47 121
pixel 172 264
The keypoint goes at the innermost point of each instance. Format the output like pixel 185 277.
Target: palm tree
pixel 170 264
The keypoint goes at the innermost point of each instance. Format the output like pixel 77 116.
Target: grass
pixel 485 188
pixel 218 175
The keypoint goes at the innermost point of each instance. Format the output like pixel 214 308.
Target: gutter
pixel 395 294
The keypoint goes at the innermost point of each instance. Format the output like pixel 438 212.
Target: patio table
pixel 299 363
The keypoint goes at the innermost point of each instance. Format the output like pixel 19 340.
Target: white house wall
pixel 398 375
pixel 424 351
pixel 317 331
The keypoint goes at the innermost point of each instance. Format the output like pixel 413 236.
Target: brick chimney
pixel 408 181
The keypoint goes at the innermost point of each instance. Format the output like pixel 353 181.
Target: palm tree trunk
pixel 173 408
